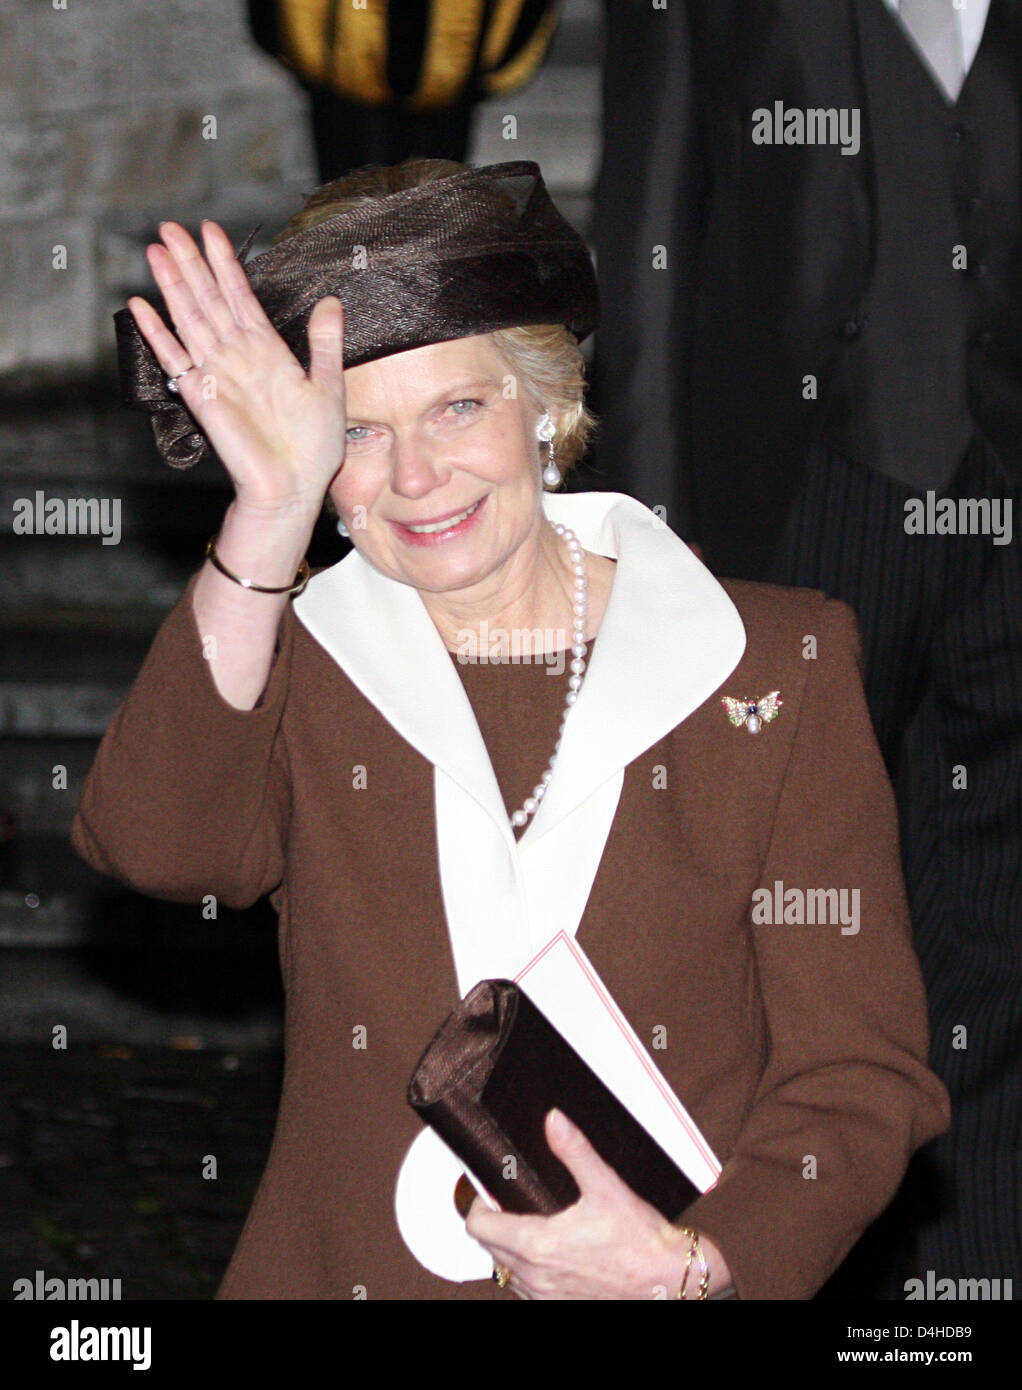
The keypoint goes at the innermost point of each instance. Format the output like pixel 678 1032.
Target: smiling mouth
pixel 430 528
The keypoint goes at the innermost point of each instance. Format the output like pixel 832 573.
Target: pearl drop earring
pixel 546 431
pixel 342 529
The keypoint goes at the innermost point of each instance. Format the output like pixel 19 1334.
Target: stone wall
pixel 116 114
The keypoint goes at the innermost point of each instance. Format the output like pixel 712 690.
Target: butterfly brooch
pixel 752 713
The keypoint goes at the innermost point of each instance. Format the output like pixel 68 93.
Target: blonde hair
pixel 544 356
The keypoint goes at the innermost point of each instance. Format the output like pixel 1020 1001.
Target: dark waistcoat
pixel 923 368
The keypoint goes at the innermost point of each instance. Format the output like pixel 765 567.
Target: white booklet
pixel 562 983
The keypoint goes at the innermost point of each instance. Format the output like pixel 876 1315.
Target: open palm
pixel 278 431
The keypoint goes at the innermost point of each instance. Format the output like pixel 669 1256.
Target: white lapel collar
pixel 379 633
pixel 670 636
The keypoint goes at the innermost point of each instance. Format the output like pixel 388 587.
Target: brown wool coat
pixel 783 1041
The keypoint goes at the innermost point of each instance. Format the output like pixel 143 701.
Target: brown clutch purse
pixel 485 1084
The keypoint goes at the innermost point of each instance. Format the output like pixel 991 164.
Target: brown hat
pixel 478 250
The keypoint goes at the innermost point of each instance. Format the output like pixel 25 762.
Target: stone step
pixel 82 431
pixel 82 950
pixel 64 709
pixel 65 681
pixel 30 767
pixel 80 618
pixel 53 580
pixel 104 460
pixel 50 897
pixel 52 583
pixel 142 996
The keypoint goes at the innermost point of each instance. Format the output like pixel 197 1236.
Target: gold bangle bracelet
pixel 695 1252
pixel 301 578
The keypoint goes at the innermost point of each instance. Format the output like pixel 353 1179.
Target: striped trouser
pixel 941 617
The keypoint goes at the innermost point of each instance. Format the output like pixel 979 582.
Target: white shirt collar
pixel 971 18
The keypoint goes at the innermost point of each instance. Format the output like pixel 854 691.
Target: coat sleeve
pixel 187 795
pixel 846 1095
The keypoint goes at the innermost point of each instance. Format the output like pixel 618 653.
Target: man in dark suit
pixel 808 235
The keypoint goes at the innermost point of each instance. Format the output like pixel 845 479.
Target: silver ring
pixel 172 381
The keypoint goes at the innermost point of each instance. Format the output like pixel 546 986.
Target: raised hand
pixel 279 432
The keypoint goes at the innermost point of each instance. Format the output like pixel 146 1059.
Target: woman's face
pixel 433 434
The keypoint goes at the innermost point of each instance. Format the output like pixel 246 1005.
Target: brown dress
pixel 786 1042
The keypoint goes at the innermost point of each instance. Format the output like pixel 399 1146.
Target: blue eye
pixel 454 406
pixel 355 439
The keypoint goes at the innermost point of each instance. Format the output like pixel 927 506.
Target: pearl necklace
pixel 580 611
